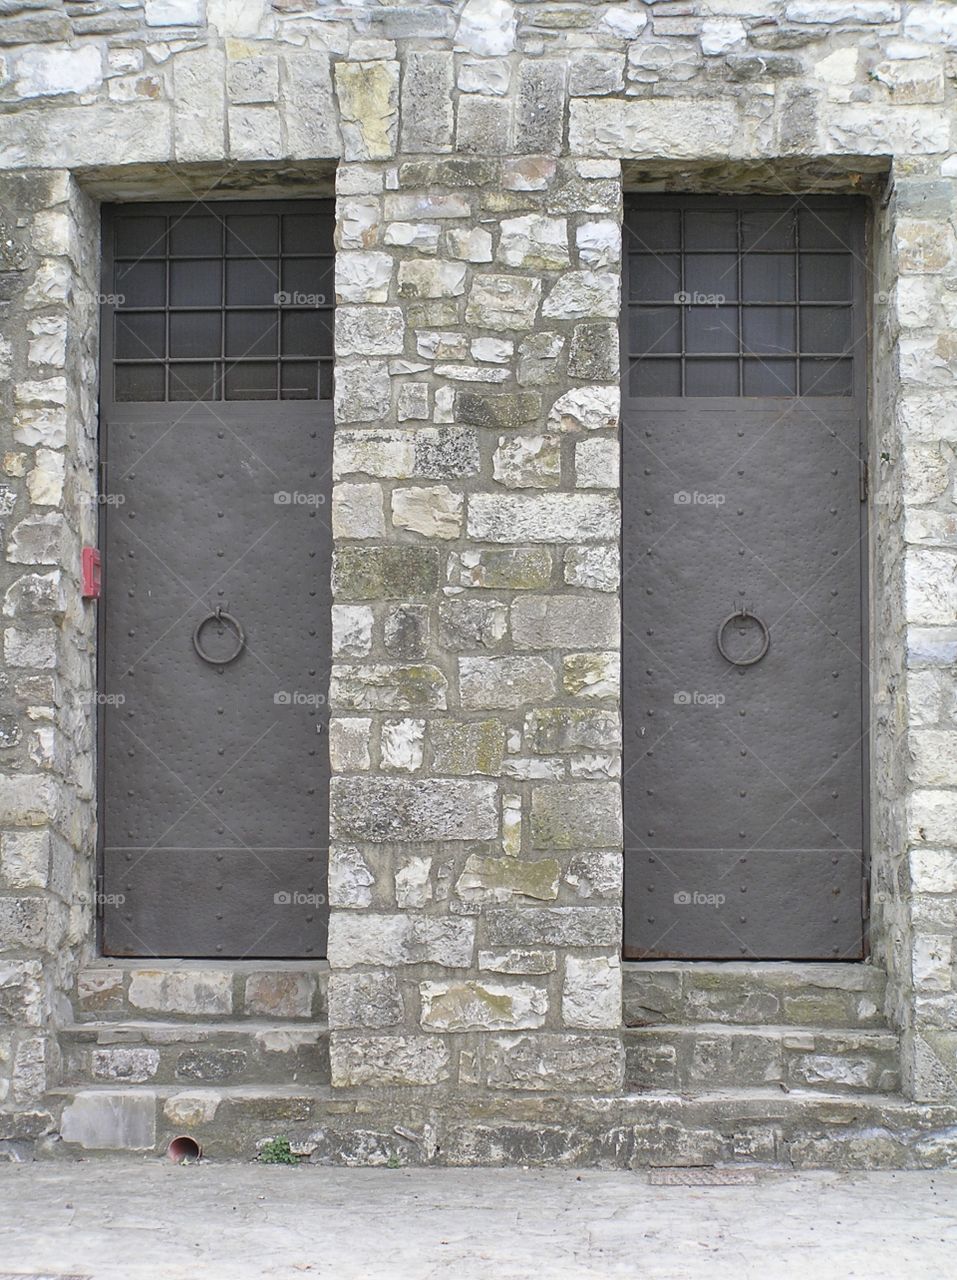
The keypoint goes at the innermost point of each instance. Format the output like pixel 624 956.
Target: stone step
pixel 745 1127
pixel 753 994
pixel 689 1059
pixel 201 990
pixel 142 1052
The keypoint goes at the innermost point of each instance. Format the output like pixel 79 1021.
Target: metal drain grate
pixel 701 1177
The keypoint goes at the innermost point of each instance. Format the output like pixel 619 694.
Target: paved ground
pixel 132 1220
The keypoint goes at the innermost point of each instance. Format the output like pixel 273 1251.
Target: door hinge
pixel 864 480
pixel 98 896
pixel 866 898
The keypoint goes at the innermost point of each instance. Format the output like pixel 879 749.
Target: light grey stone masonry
pixel 480 150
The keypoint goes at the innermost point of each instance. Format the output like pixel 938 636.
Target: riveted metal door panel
pixel 214 835
pixel 743 672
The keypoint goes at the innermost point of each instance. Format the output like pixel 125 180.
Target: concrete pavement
pixel 146 1220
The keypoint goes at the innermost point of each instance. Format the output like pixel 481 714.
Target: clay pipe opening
pixel 184 1149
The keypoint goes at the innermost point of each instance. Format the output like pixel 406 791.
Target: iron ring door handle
pixel 219 615
pixel 765 638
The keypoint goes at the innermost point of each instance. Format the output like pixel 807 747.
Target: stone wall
pixel 475 879
pixel 47 499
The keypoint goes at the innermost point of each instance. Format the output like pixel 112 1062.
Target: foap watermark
pixel 102 699
pixel 692 898
pixel 101 899
pixel 106 499
pixel 298 698
pixel 295 898
pixel 692 498
pixel 296 299
pixel 102 299
pixel 695 299
pixel 283 498
pixel 695 698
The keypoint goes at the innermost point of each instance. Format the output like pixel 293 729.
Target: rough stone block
pixel 369 331
pixel 540 106
pixel 364 1000
pixel 368 95
pixel 434 512
pixel 592 675
pixel 405 632
pixel 593 353
pixel 518 960
pixel 194 991
pixel 388 1060
pixel 426 116
pixel 401 744
pixel 486 880
pixel 351 879
pixel 592 1064
pixel 484 125
pixel 559 729
pixel 472 624
pixel 467 746
pixel 351 630
pixel 482 1006
pixel 384 573
pixel 103 1121
pixel 387 687
pixel 280 993
pixel 591 992
pixel 565 622
pixel 499 412
pixel 23 921
pixel 372 938
pixel 506 568
pixel 528 462
pixel 100 990
pixel 421 278
pixel 576 815
pixel 413 882
pixel 503 302
pixel 597 464
pixel 430 809
pixel 363 393
pixel 597 568
pixel 506 682
pixel 680 128
pixel 357 511
pixel 129 1065
pixel 554 926
pixel 548 517
pixel 22 994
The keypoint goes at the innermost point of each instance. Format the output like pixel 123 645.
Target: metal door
pixel 743 559
pixel 216 446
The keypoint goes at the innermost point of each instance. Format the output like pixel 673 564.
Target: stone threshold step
pixel 197 990
pixel 708 1055
pixel 774 993
pixel 156 1031
pixel 186 1054
pixel 747 1127
pixel 797 1036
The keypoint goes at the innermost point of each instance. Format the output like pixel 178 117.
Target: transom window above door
pixel 739 296
pixel 221 301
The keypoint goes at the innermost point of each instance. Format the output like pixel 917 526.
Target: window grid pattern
pixel 739 301
pixel 211 305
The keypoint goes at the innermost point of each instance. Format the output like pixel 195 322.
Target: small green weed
pixel 277 1151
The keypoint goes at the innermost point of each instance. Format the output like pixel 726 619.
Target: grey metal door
pixel 743 563
pixel 216 445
